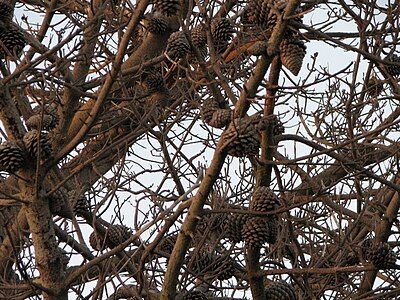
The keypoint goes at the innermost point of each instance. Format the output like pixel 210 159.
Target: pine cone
pixel 48 121
pixel 11 156
pixel 157 23
pixel 392 69
pixel 59 203
pixel 241 137
pixel 167 7
pixel 233 227
pixel 117 234
pixel 168 243
pixel 80 204
pixel 154 81
pixel 374 87
pixel 222 32
pixel 199 37
pixel 264 200
pixel 280 291
pixel 292 52
pixel 96 241
pixel 257 12
pixel 12 42
pixel 257 231
pixel 258 48
pixel 31 140
pixel 195 295
pixel 221 118
pixel 200 262
pixel 208 108
pixel 177 45
pixel 6 11
pixel 382 256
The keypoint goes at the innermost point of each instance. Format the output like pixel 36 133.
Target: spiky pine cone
pixel 257 231
pixel 154 81
pixel 195 295
pixel 374 87
pixel 6 11
pixel 12 41
pixel 382 256
pixel 199 40
pixel 96 241
pixel 241 138
pixel 59 203
pixel 31 140
pixel 221 118
pixel 11 156
pixel 177 45
pixel 80 204
pixel 117 234
pixel 258 48
pixel 167 7
pixel 292 52
pixel 222 32
pixel 233 227
pixel 208 108
pixel 392 69
pixel 157 23
pixel 224 267
pixel 46 121
pixel 366 247
pixel 280 291
pixel 201 262
pixel 264 200
pixel 167 244
pixel 257 11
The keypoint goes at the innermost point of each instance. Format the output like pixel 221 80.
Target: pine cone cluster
pixel 292 53
pixel 241 138
pixel 374 87
pixel 381 255
pixel 264 200
pixel 258 230
pixel 157 23
pixel 80 203
pixel 392 69
pixel 233 227
pixel 12 42
pixel 59 203
pixel 222 32
pixel 6 11
pixel 117 234
pixel 45 121
pixel 11 156
pixel 195 295
pixel 35 141
pixel 280 291
pixel 257 12
pixel 167 7
pixel 177 45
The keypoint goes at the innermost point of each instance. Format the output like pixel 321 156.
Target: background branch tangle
pixel 193 149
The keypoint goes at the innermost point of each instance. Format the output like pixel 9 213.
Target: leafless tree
pixel 199 149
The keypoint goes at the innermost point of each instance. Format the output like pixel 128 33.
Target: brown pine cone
pixel 11 156
pixel 45 121
pixel 264 200
pixel 374 87
pixel 208 108
pixel 32 145
pixel 233 227
pixel 292 52
pixel 258 230
pixel 157 23
pixel 177 45
pixel 80 204
pixel 117 234
pixel 241 138
pixel 200 262
pixel 167 7
pixel 280 291
pixel 224 267
pixel 392 69
pixel 222 32
pixel 12 42
pixel 382 256
pixel 220 118
pixel 6 11
pixel 59 203
pixel 96 241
